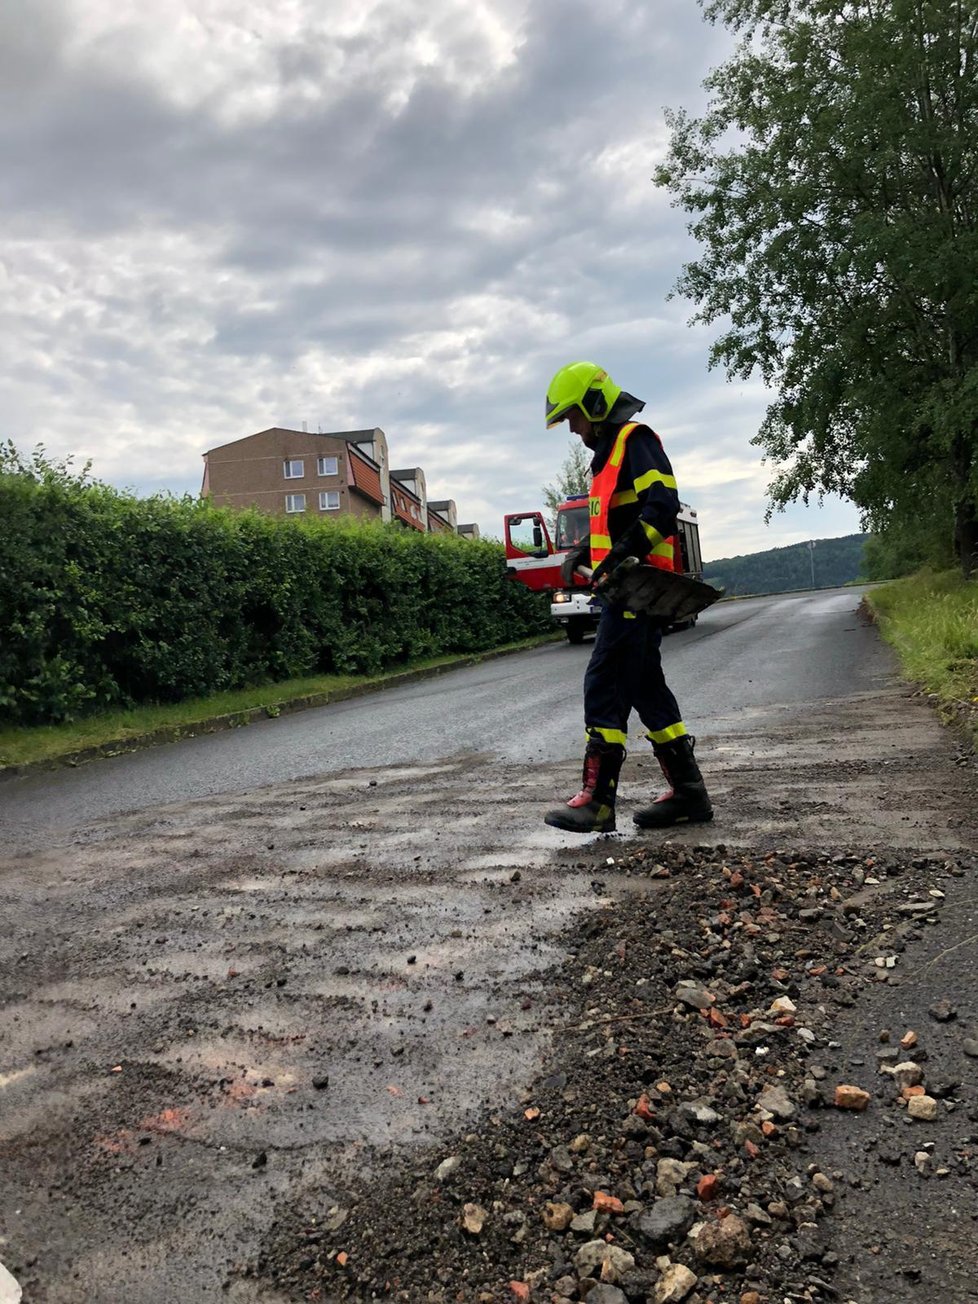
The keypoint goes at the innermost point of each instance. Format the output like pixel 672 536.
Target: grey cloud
pixel 339 229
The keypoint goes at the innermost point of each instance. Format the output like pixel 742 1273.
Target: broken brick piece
pixel 850 1097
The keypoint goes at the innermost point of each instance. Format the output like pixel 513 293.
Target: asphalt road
pixel 784 651
pixel 237 970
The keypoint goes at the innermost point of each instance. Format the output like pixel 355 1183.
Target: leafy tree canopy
pixel 574 477
pixel 832 188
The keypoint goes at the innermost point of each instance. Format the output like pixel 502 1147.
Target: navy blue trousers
pixel 625 674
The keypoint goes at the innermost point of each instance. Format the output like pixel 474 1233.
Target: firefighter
pixel 633 510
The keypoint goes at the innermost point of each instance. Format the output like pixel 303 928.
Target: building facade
pixel 292 472
pixel 341 473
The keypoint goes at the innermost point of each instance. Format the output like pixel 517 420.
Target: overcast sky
pixel 222 215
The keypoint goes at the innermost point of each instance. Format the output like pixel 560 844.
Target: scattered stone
pixel 604 1294
pixel 473 1218
pixel 674 1285
pixel 943 1011
pixel 907 1074
pixel 598 1256
pixel 666 1223
pixel 584 1222
pixel 697 998
pixel 557 1216
pixel 698 1112
pixel 670 1175
pixel 724 1244
pixel 909 1039
pixel 784 1005
pixel 321 1081
pixel 11 1292
pixel 447 1167
pixel 970 1047
pixel 776 1102
pixel 922 1107
pixel 849 1097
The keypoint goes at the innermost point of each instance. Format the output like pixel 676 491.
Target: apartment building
pixel 409 498
pixel 295 473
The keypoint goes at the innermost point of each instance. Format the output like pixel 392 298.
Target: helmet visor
pixel 557 412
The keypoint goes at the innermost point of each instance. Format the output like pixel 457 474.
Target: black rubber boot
pixel 592 810
pixel 687 801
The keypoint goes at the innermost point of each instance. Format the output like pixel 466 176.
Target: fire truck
pixel 534 559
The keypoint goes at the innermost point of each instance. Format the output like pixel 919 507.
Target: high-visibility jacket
pixel 604 486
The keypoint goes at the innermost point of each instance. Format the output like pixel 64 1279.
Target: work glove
pixel 576 557
pixel 603 574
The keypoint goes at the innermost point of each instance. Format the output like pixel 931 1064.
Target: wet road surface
pixel 224 983
pixel 781 652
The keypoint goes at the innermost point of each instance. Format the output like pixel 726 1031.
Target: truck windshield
pixel 573 526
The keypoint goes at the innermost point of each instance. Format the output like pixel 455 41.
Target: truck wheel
pixel 576 629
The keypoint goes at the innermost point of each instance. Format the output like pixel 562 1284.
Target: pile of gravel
pixel 664 1153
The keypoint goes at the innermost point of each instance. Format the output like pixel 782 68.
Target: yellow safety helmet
pixel 583 385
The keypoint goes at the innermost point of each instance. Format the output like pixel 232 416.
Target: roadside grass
pixel 931 620
pixel 123 730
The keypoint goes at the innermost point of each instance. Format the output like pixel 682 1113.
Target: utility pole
pixel 811 555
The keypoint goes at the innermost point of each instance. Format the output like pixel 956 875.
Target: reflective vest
pixel 602 499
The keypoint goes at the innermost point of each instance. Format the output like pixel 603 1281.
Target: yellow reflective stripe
pixel 666 735
pixel 607 735
pixel 626 496
pixel 654 477
pixel 618 452
pixel 601 541
pixel 656 540
pixel 629 615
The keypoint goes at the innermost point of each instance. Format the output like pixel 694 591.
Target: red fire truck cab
pixel 534 559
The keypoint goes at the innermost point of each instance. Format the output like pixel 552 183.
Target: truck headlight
pixel 561 597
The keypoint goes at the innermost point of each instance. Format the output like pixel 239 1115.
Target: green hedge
pixel 111 600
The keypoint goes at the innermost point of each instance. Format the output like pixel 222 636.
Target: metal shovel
pixel 666 595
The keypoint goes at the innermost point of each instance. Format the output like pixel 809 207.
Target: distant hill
pixel 836 561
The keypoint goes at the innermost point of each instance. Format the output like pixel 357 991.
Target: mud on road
pixel 239 1036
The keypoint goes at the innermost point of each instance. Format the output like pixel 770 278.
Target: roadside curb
pixel 269 711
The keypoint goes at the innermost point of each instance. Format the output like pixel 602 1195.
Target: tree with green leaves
pixel 832 188
pixel 574 477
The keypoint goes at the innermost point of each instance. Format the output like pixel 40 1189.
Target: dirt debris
pixel 668 1150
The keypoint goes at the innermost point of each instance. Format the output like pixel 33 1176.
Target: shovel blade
pixel 666 595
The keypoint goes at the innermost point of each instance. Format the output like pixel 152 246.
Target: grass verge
pixel 120 731
pixel 931 620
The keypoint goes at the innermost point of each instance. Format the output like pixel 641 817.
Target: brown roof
pixel 365 476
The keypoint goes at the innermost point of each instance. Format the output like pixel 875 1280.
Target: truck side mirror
pixel 537 536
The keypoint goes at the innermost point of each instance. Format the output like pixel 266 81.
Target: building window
pixel 295 502
pixel 329 500
pixel 329 466
pixel 294 468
